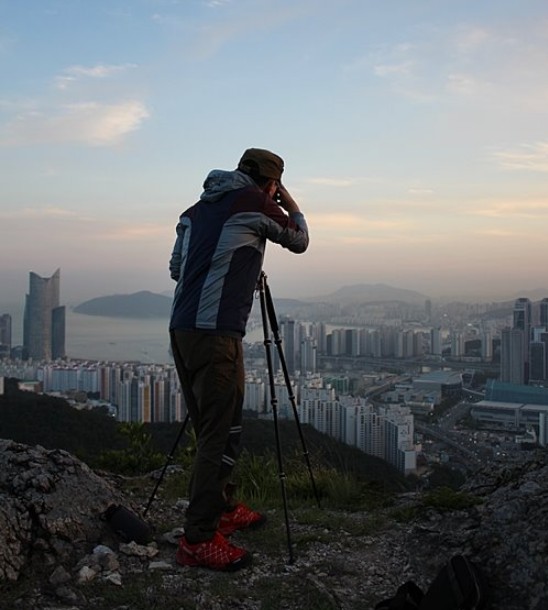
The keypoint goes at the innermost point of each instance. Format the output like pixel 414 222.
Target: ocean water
pixel 98 338
pixel 115 339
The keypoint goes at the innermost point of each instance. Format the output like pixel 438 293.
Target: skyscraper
pixel 522 322
pixel 522 314
pixel 512 356
pixel 544 313
pixel 44 320
pixel 5 335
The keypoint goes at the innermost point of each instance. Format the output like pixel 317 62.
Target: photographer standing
pixel 216 262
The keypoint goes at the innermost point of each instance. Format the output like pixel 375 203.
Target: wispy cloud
pixel 334 182
pixel 463 61
pixel 404 68
pixel 216 3
pixel 47 212
pixel 353 223
pixel 502 233
pixel 89 123
pixel 469 39
pixel 532 210
pixel 136 232
pixel 529 157
pixel 73 73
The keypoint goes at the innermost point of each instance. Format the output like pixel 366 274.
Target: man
pixel 216 261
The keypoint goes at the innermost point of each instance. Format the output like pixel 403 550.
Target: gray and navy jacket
pixel 219 250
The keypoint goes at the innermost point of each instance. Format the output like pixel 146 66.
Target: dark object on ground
pixel 127 525
pixel 459 585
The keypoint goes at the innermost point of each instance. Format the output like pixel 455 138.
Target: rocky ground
pixel 57 554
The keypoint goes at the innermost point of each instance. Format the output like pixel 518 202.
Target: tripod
pixel 268 315
pixel 167 462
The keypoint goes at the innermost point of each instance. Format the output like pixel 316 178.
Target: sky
pixel 414 134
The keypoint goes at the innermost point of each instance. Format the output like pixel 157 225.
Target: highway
pixel 468 455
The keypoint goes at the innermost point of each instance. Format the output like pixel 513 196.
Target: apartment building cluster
pixel 151 393
pixel 305 342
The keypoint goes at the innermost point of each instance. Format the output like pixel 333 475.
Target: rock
pixel 50 502
pixel 86 574
pixel 160 565
pixel 59 576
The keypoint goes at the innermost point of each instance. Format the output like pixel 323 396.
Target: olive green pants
pixel 211 373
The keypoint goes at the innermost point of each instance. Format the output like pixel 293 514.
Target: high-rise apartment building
pixel 44 319
pixel 522 314
pixel 515 345
pixel 512 356
pixel 543 318
pixel 5 335
pixel 289 344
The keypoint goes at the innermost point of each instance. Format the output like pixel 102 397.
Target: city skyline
pixel 414 134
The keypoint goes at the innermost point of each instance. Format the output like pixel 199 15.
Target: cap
pixel 261 162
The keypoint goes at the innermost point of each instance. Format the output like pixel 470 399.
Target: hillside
pixel 57 552
pixel 368 293
pixel 143 304
pixel 34 419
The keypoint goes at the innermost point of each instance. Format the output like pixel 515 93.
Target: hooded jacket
pixel 219 250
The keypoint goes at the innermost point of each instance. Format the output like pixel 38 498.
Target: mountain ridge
pixel 146 304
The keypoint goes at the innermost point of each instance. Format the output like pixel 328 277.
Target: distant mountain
pixel 143 304
pixel 367 293
pixel 537 294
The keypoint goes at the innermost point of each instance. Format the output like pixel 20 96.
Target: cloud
pixel 135 232
pixel 404 68
pixel 470 39
pixel 73 73
pixel 501 65
pixel 417 190
pixel 463 84
pixel 528 157
pixel 47 212
pixel 340 224
pixel 334 182
pixel 498 233
pixel 513 209
pixel 216 3
pixel 88 123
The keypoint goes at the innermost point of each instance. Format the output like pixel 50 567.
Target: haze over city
pixel 415 136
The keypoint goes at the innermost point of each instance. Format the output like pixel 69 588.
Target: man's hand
pixel 285 201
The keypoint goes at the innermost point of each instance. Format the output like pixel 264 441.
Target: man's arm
pixel 176 255
pixel 289 230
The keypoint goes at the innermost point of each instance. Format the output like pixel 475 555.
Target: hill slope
pixel 143 304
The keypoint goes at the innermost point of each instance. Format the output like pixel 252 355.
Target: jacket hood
pixel 219 182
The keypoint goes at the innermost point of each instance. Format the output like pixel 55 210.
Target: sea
pixel 115 339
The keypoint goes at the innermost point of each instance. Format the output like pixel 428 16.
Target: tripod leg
pixel 274 403
pixel 276 332
pixel 168 461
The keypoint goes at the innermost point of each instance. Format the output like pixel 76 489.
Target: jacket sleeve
pixel 290 231
pixel 176 255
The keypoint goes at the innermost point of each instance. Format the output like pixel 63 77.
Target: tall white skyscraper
pixel 44 320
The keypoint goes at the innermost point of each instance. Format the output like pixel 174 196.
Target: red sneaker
pixel 216 554
pixel 241 517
